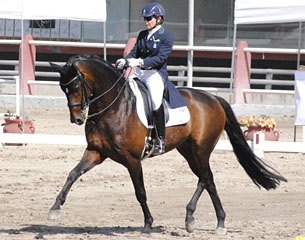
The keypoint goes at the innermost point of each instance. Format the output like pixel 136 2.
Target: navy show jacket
pixel 155 52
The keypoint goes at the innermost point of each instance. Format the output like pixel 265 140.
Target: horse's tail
pixel 260 173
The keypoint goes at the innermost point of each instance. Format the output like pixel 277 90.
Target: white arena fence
pixel 259 147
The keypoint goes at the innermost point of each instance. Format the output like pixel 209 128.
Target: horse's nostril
pixel 79 121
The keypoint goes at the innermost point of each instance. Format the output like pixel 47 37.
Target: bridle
pixel 85 100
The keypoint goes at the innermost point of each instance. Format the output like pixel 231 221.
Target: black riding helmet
pixel 154 10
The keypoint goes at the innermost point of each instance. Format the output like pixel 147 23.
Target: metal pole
pixel 105 47
pixel 232 63
pixel 22 73
pixel 298 66
pixel 17 95
pixel 190 44
pixel 299 45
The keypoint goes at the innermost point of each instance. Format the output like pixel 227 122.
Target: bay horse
pixel 113 130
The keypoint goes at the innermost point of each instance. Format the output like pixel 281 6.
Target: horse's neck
pixel 113 95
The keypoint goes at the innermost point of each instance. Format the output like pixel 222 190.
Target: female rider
pixel 149 55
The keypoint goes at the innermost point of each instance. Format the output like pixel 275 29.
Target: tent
pixel 269 11
pixel 90 10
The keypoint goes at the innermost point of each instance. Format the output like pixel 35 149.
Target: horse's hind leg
pixel 191 207
pixel 220 213
pixel 207 183
pixel 88 161
pixel 200 166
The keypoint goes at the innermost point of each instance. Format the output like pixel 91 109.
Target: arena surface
pixel 102 204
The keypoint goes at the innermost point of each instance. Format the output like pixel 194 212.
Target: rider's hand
pixel 134 62
pixel 120 63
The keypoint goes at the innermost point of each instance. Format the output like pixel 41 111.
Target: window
pixel 42 24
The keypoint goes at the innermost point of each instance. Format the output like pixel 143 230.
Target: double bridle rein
pixel 86 101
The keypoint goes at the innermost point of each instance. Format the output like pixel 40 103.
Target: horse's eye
pixel 76 88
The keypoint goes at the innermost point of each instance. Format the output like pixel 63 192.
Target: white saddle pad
pixel 177 116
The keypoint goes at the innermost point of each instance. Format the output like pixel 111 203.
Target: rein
pixel 103 94
pixel 107 91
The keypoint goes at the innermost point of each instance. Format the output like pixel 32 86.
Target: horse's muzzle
pixel 78 116
pixel 79 119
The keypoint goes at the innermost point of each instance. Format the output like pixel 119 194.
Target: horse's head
pixel 73 84
pixel 88 79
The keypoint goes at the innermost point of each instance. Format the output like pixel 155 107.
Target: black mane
pixel 94 58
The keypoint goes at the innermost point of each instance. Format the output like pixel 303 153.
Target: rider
pixel 149 55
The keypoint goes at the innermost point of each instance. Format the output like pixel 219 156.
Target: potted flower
pixel 15 124
pixel 261 123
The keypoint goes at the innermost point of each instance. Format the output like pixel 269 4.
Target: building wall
pixel 213 26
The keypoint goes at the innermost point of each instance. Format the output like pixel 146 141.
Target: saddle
pixel 173 116
pixel 148 109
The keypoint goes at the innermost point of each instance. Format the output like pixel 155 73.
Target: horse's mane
pixel 94 58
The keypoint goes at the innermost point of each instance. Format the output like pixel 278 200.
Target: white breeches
pixel 154 83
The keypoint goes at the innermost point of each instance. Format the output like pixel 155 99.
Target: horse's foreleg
pixel 88 161
pixel 136 175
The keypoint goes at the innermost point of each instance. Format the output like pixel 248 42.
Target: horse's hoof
pixel 146 231
pixel 221 231
pixel 190 227
pixel 54 214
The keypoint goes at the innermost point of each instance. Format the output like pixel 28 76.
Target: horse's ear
pixel 56 67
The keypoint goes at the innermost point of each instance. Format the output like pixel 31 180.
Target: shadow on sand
pixel 43 230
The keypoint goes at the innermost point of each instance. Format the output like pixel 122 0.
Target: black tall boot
pixel 160 129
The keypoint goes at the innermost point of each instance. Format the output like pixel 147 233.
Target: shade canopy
pixel 89 10
pixel 269 11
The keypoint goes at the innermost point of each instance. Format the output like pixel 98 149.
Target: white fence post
pixel 258 144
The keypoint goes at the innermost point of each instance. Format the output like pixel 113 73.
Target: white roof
pixel 269 11
pixel 88 10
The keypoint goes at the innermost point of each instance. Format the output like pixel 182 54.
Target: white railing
pixel 181 77
pixel 10 41
pixel 76 44
pixel 122 46
pixel 274 50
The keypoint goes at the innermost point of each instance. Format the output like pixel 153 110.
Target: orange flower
pixel 261 121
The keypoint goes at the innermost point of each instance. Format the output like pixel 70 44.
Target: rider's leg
pixel 155 85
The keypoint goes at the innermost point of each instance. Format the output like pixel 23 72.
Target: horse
pixel 97 95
